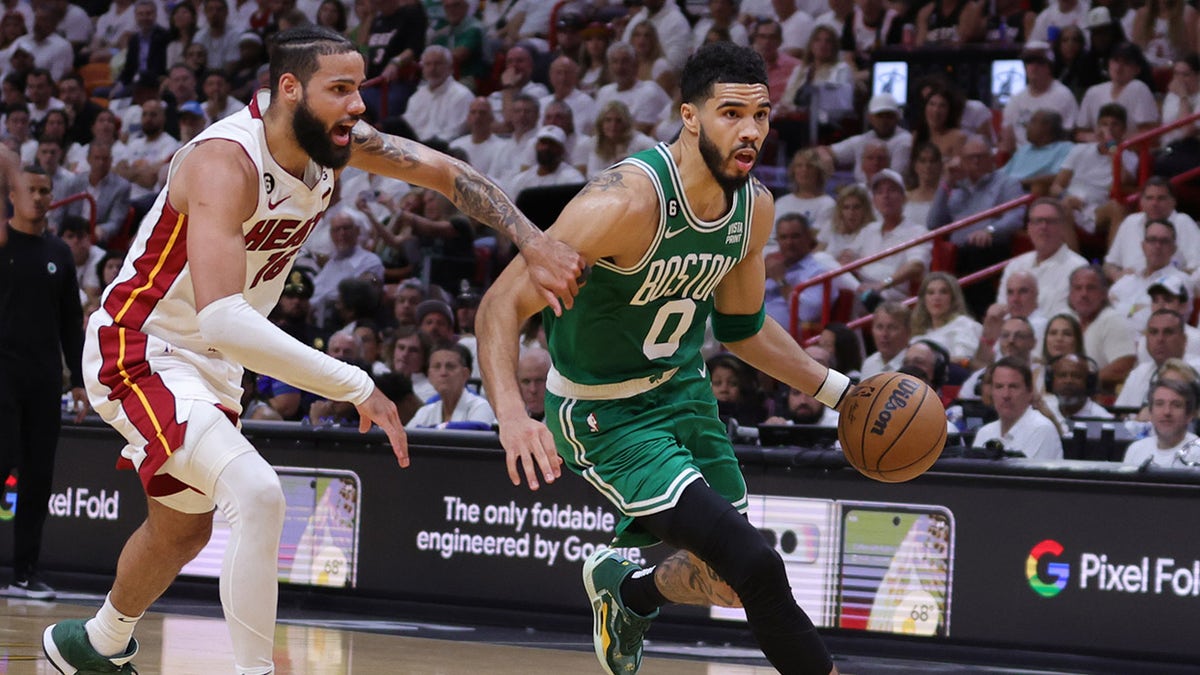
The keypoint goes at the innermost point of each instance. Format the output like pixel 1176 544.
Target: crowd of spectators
pixel 1095 308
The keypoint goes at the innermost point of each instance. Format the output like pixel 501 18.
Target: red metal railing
pixel 82 196
pixel 911 300
pixel 1143 143
pixel 826 278
pixel 998 267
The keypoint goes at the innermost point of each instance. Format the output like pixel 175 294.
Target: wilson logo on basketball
pixel 897 400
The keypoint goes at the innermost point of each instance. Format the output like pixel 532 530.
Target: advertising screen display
pixel 319 546
pixel 862 565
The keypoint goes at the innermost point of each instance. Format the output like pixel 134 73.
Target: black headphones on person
pixel 1091 383
pixel 941 361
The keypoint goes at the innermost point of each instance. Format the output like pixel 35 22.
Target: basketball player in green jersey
pixel 674 234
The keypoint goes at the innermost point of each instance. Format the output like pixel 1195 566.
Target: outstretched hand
pixel 529 443
pixel 556 269
pixel 380 410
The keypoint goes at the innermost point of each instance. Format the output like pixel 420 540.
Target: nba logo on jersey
pixel 593 425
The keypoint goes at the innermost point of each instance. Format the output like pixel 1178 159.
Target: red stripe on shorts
pixel 132 300
pixel 146 400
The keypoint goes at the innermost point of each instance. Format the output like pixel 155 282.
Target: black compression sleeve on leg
pixel 706 524
pixel 640 593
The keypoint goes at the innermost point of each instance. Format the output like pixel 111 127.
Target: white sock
pixel 109 631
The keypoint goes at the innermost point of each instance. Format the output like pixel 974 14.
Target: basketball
pixel 892 427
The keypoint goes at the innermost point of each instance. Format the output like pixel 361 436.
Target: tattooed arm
pixel 554 267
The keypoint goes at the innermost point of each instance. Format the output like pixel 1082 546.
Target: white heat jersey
pixel 153 293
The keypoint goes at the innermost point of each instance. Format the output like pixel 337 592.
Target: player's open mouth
pixel 745 159
pixel 341 133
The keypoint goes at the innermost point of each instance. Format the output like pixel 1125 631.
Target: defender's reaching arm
pixel 553 266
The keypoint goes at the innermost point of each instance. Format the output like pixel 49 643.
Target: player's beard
pixel 715 162
pixel 314 138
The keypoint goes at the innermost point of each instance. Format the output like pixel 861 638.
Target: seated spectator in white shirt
pixel 1183 97
pixel 1172 294
pixel 518 154
pixel 1041 92
pixel 941 315
pixel 892 275
pixel 1130 295
pixel 1050 261
pixel 219 103
pixel 1165 340
pixel 614 139
pixel 140 160
pixel 551 167
pixel 516 80
pixel 1059 14
pixel 891 332
pixel 1071 381
pixel 1107 336
pixel 645 99
pixel 883 116
pixel 439 107
pixel 672 27
pixel 1016 340
pixel 721 14
pixel 1123 88
pixel 802 408
pixel 1021 428
pixel 1157 202
pixel 1085 180
pixel 449 370
pixel 1172 409
pixel 810 176
pixel 559 114
pixel 349 261
pixel 485 150
pixel 797 23
pixel 564 87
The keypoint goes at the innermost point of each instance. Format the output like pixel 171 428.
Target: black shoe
pixel 30 587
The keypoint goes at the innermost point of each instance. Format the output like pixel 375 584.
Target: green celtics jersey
pixel 642 321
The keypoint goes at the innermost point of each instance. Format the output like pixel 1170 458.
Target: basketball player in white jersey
pixel 164 354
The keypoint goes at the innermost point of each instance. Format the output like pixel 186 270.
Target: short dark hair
pixel 296 50
pixel 1114 110
pixel 77 225
pixel 1161 221
pixel 1159 181
pixel 1013 364
pixel 457 348
pixel 795 217
pixel 720 62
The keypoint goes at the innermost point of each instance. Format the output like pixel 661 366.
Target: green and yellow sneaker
pixel 66 645
pixel 617 632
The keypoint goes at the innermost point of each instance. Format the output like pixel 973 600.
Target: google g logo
pixel 1058 572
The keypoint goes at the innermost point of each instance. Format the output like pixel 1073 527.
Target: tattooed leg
pixel 685 579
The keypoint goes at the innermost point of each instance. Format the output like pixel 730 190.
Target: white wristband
pixel 246 337
pixel 833 388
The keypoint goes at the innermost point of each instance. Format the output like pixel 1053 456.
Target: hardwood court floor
pixel 177 644
pixel 189 638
